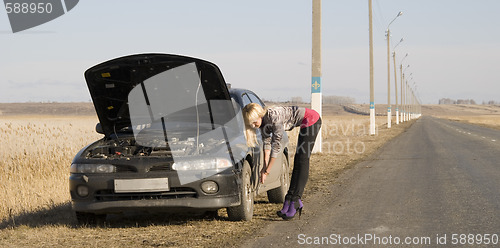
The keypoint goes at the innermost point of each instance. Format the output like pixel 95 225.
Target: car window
pixel 255 99
pixel 246 99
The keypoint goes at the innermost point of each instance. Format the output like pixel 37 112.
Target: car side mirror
pixel 98 128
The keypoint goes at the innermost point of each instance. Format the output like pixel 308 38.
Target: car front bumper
pixel 181 198
pixel 162 205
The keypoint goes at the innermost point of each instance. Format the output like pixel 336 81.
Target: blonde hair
pixel 251 113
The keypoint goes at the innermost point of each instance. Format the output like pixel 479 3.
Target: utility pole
pixel 405 117
pixel 388 32
pixel 316 97
pixel 402 78
pixel 403 109
pixel 372 97
pixel 396 85
pixel 389 78
pixel 398 106
pixel 405 88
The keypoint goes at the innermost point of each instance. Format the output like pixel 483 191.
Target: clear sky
pixel 264 45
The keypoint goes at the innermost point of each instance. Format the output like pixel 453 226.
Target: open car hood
pixel 138 90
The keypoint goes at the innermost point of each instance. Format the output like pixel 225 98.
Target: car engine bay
pixel 128 147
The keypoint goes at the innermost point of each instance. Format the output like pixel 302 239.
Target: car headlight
pixel 210 187
pixel 202 164
pixel 92 168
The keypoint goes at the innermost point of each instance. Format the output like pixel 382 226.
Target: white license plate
pixel 141 185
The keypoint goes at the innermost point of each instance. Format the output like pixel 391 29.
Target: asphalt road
pixel 435 185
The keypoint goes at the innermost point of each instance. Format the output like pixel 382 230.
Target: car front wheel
pixel 277 195
pixel 245 210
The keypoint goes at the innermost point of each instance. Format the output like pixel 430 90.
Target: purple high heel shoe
pixel 295 206
pixel 286 206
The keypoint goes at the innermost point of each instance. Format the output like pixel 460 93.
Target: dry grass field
pixel 36 152
pixel 492 121
pixel 484 115
pixel 35 210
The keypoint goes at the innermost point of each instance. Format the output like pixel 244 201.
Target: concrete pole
pixel 402 78
pixel 396 86
pixel 403 100
pixel 389 114
pixel 412 104
pixel 388 32
pixel 410 99
pixel 372 97
pixel 403 93
pixel 406 100
pixel 316 97
pixel 419 108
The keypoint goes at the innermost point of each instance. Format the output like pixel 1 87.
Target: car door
pixel 273 179
pixel 258 153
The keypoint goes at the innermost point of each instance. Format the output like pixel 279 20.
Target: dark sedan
pixel 173 141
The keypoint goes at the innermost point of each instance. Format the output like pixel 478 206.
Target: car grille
pixel 160 168
pixel 122 168
pixel 125 169
pixel 174 193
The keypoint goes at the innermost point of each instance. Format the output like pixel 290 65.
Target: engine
pixel 130 148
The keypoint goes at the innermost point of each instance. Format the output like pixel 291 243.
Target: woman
pixel 273 122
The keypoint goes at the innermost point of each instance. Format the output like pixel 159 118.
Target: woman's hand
pixel 265 171
pixel 263 175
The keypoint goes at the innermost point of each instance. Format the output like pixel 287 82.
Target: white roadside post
pixel 316 97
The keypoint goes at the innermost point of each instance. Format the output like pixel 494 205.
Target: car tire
pixel 244 212
pixel 90 219
pixel 277 195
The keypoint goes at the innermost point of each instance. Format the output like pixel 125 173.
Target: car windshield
pixel 174 101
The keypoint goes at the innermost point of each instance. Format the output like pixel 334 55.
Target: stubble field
pixel 484 115
pixel 36 153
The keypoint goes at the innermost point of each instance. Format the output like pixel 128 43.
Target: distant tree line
pixel 491 103
pixel 297 99
pixel 466 101
pixel 459 101
pixel 339 100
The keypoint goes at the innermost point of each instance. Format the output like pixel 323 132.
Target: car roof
pixel 238 91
